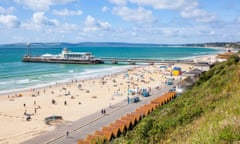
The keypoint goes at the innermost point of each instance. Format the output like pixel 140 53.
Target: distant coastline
pixel 207 45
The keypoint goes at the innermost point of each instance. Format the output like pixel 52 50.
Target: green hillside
pixel 209 113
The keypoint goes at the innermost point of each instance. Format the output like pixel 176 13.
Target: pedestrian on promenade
pixel 104 111
pixel 67 134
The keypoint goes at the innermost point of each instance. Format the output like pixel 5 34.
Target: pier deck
pixel 115 60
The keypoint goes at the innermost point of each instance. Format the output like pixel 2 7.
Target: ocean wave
pixel 3 83
pixel 23 81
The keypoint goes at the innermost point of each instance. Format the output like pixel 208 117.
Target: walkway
pixel 88 125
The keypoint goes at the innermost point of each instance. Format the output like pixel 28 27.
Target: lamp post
pixel 15 87
pixel 128 95
pixel 28 49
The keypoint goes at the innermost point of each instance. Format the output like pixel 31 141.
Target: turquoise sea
pixel 17 75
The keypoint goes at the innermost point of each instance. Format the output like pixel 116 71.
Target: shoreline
pixel 74 99
pixel 92 76
pixel 65 81
pixel 22 83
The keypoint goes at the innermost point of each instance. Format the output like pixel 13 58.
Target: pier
pixel 116 60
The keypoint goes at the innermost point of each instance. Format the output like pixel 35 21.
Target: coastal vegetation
pixel 208 113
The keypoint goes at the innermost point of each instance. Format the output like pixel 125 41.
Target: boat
pixel 65 57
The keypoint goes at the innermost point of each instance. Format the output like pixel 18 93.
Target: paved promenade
pixel 88 125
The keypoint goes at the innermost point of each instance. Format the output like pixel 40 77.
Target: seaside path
pixel 88 125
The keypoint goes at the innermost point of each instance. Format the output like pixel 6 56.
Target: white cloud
pixel 66 27
pixel 6 10
pixel 238 19
pixel 41 5
pixel 166 4
pixel 104 9
pixel 198 14
pixel 91 24
pixel 39 19
pixel 67 12
pixel 9 21
pixel 136 15
pixel 187 8
pixel 119 2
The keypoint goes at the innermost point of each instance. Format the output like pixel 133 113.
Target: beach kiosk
pixel 176 71
pixel 134 99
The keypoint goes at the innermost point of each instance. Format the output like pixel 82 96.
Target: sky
pixel 131 21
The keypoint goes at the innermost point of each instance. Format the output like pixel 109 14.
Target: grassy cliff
pixel 208 113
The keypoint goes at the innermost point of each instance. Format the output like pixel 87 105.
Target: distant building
pixel 202 67
pixel 224 56
pixel 185 84
pixel 193 73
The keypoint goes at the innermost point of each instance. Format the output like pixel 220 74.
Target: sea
pixel 16 75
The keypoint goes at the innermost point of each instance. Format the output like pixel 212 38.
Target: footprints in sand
pixel 11 116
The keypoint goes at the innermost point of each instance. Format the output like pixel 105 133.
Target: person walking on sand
pixel 65 103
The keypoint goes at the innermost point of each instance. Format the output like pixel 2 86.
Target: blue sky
pixel 134 21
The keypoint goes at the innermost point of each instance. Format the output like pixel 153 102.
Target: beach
pixel 75 99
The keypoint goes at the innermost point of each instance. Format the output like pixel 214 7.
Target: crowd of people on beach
pixel 79 98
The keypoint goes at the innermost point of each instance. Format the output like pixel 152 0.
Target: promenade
pixel 88 125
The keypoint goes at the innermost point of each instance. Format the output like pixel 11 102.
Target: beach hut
pixel 121 126
pixel 82 142
pixel 137 116
pixel 91 138
pixel 133 117
pixel 130 121
pixel 100 137
pixel 116 129
pixel 193 73
pixel 108 133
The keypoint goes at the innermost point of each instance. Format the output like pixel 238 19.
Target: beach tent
pixel 134 99
pixel 145 93
pixel 169 82
pixel 163 67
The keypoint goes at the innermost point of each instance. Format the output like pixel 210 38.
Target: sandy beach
pixel 74 100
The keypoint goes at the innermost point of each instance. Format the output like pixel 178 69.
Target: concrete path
pixel 88 125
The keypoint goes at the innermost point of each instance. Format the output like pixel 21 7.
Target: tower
pixel 28 49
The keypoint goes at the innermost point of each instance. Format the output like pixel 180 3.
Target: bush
pixel 230 134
